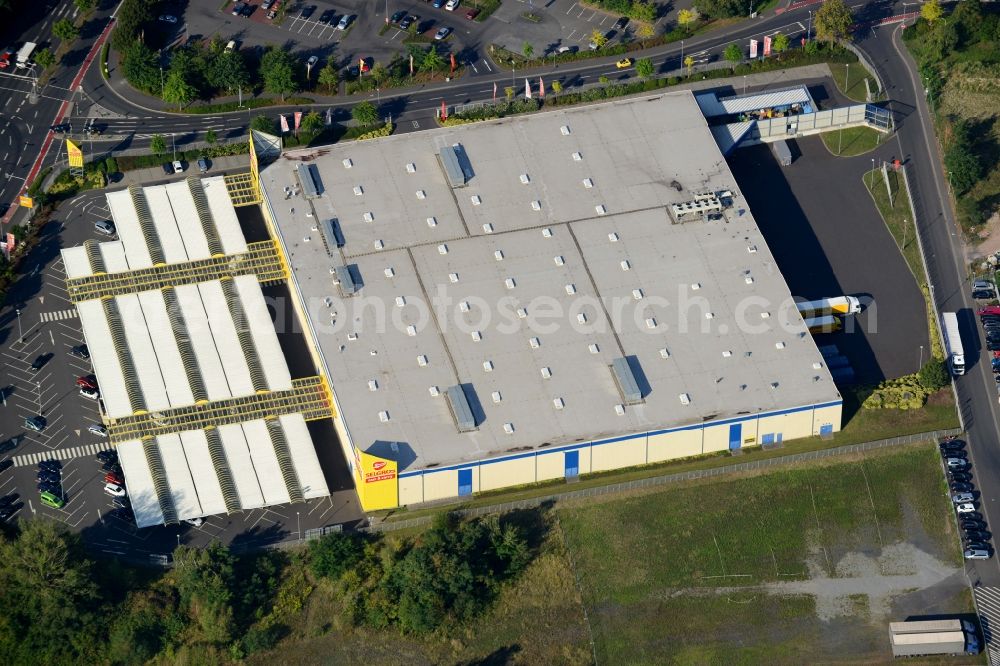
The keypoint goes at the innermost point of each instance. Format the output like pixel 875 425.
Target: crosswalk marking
pixel 988 603
pixel 58 315
pixel 61 454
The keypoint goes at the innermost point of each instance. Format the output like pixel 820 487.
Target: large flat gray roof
pixel 557 256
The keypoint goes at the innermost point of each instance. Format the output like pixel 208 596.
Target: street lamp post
pixel 173 143
pixel 847 77
pixel 921 363
pixel 298 519
pixel 810 29
pixel 161 82
pixel 872 186
pixel 682 53
pixel 20 333
pixel 744 84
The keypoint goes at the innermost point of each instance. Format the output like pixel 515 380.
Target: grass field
pixel 851 80
pixel 851 141
pixel 680 576
pixel 699 574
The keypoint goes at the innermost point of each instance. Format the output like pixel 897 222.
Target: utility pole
pixel 810 30
pixel 20 333
pixel 161 81
pixel 174 145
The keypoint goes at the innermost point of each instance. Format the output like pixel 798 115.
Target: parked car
pixel 407 20
pixel 345 21
pixel 202 165
pixel 51 499
pixel 623 63
pixel 5 57
pixel 178 166
pixel 93 394
pixel 438 4
pixel 956 463
pixel 114 490
pixel 307 11
pixel 978 535
pixel 238 8
pixel 106 227
pixel 952 444
pixel 965 508
pixel 167 18
pixel 398 16
pixel 311 62
pixel 954 453
pixel 327 16
pixel 970 524
pixel 982 295
pixel 472 14
pixel 81 351
pixel 121 503
pixel 959 476
pixel 197 522
pixel 97 429
pixel 111 466
pixel 961 487
pixel 36 423
pixel 248 9
pixel 90 381
pixel 8 511
pixel 114 477
pixel 620 23
pixel 106 456
pixel 452 5
pixel 40 362
pixel 977 554
pixel 50 464
pixel 50 476
pixel 442 33
pixel 963 498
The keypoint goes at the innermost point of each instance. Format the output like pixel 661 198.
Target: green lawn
pixel 850 79
pixel 851 141
pixel 662 573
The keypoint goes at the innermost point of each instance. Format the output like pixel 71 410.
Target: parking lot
pixel 48 325
pixel 829 239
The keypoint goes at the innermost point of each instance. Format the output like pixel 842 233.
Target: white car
pixel 178 166
pixel 312 61
pixel 345 21
pixel 98 429
pixel 965 508
pixel 452 5
pixel 956 463
pixel 86 392
pixel 114 490
pixel 961 498
pixel 197 522
pixel 977 554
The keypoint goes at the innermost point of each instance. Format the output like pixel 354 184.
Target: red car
pixel 472 14
pixel 5 58
pixel 112 477
pixel 89 382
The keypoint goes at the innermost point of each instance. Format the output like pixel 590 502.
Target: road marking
pixel 58 315
pixel 487 65
pixel 83 451
pixel 988 603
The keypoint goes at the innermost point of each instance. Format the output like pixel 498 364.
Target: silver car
pixel 965 508
pixel 961 498
pixel 977 554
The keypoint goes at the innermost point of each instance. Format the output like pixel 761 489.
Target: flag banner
pixel 767 46
pixel 284 123
pixel 10 242
pixel 452 63
pixel 527 89
pixel 411 64
pixel 494 91
pixel 753 49
pixel 444 111
pixel 329 116
pixel 74 153
pixel 362 67
pixel 541 88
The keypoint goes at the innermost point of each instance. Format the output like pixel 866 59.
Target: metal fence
pixel 863 59
pixel 655 481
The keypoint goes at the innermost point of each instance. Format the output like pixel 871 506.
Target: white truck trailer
pixel 24 55
pixel 953 343
pixel 838 305
pixel 823 324
pixel 930 637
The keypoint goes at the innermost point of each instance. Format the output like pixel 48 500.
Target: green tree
pixel 527 50
pixel 85 5
pixel 508 92
pixel 329 77
pixel 780 43
pixel 204 579
pixel 49 600
pixel 111 165
pixel 140 68
pixel 312 123
pixel 734 54
pixel 158 144
pixel 264 124
pixel 365 113
pixel 943 39
pixel 379 73
pixel 131 17
pixel 599 38
pixel 644 31
pixel 210 137
pixel 934 375
pixel 964 166
pixel 603 80
pixel 432 60
pixel 145 624
pixel 931 11
pixel 644 68
pixel 720 8
pixel 65 30
pixel 689 63
pixel 227 71
pixel 334 554
pixel 277 69
pixel 45 59
pixel 177 89
pixel 643 11
pixel 557 87
pixel 686 17
pixel 833 20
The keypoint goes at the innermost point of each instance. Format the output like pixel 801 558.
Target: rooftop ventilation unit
pixel 460 409
pixel 452 168
pixel 702 205
pixel 346 281
pixel 628 386
pixel 309 177
pixel 329 231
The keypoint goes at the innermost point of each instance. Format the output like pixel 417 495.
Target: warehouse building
pixel 195 390
pixel 541 297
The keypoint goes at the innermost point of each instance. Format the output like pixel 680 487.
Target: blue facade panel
pixel 735 436
pixel 464 482
pixel 572 464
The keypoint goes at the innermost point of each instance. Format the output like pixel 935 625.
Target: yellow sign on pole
pixel 26 201
pixel 75 154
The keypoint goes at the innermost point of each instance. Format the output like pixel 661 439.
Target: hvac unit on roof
pixel 488 366
pixel 312 186
pixel 558 259
pixel 496 397
pixel 547 233
pixel 345 279
pixel 358 191
pixel 536 205
pixel 329 231
pixel 389 272
pixel 613 237
pixel 571 289
pixel 498 255
pixel 525 179
pixel 508 428
pixel 461 411
pixel 378 244
pixel 432 222
pixel 434 391
pixel 453 171
pixel 476 199
pixel 422 361
pixel 546 373
pixel 383 416
pixel 421 194
pixel 487 228
pixel 533 343
pixel 347 163
pixel 601 210
pixel 565 130
pixel 411 168
pixel 626 380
